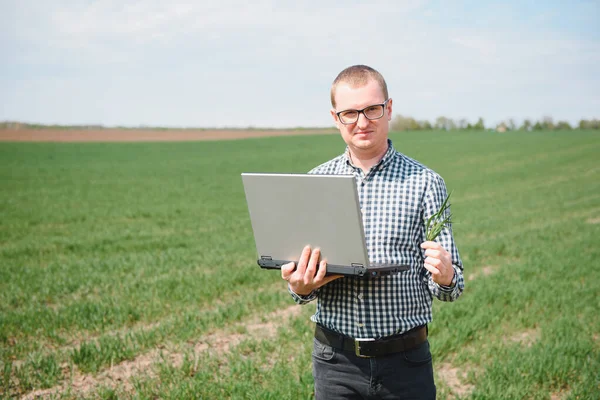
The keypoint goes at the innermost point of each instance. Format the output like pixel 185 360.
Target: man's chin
pixel 363 144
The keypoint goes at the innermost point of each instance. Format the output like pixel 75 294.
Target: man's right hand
pixel 306 278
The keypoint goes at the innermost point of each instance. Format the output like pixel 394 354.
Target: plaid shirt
pixel 396 195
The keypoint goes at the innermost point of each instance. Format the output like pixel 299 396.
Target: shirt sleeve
pixel 434 197
pixel 448 293
pixel 300 299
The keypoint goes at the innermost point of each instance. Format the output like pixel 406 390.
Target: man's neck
pixel 367 160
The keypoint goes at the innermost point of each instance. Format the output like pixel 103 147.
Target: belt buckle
pixel 357 348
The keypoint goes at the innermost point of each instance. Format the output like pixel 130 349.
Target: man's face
pixel 364 136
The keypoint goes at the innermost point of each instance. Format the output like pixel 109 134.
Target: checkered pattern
pixel 395 196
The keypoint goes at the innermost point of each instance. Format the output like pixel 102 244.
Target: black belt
pixel 372 347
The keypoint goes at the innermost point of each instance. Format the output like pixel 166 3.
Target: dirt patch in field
pixel 454 378
pixel 147 135
pixel 123 374
pixel 219 343
pixel 526 338
pixel 73 340
pixel 594 220
pixel 563 394
pixel 485 271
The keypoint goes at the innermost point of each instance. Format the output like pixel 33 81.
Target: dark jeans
pixel 343 375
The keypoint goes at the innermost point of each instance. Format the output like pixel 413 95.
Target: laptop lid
pixel 290 211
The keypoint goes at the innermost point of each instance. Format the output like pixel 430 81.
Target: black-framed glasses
pixel 375 111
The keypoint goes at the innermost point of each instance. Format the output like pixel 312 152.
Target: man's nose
pixel 362 120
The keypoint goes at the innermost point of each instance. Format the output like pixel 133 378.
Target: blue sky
pixel 270 63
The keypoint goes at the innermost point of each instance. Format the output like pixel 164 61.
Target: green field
pixel 128 270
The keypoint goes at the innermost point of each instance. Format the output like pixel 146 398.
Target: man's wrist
pixel 452 282
pixel 300 295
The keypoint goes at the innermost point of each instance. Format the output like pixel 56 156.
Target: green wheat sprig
pixel 439 220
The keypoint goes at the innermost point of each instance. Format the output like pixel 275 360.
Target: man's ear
pixel 389 109
pixel 335 118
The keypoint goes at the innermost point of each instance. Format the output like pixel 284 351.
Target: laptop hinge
pixel 267 262
pixel 359 269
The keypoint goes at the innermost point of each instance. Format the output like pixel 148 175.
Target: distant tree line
pixel 399 123
pixel 404 123
pixel 13 125
pixel 23 125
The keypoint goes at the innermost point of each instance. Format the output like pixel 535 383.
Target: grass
pixel 110 251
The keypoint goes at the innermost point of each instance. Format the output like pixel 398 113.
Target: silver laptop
pixel 290 211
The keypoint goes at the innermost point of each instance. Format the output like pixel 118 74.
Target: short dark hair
pixel 357 76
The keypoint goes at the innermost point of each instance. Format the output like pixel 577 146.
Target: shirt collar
pixel 385 160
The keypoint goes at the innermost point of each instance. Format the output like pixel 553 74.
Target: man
pixel 371 334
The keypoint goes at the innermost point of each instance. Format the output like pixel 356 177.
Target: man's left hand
pixel 439 262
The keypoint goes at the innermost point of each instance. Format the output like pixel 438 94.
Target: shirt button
pixel 361 325
pixel 360 296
